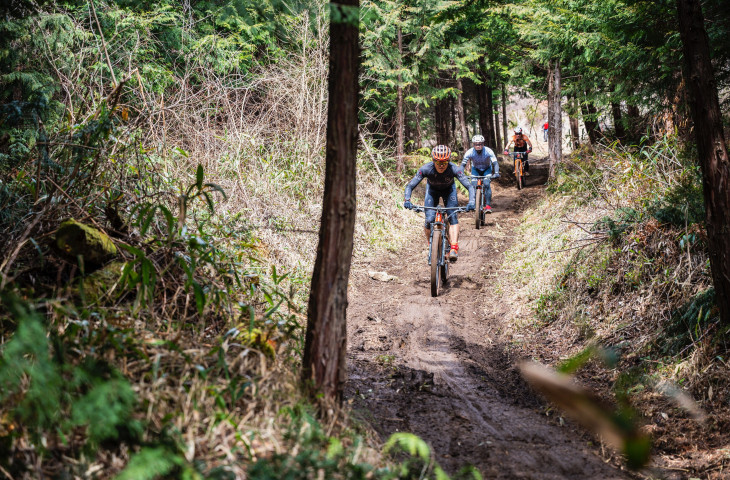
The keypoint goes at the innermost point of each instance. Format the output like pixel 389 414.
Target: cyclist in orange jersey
pixel 522 144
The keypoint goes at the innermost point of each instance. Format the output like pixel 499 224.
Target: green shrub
pixel 690 322
pixel 684 204
pixel 622 221
pixel 48 390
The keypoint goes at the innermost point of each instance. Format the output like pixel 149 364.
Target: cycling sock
pixel 455 246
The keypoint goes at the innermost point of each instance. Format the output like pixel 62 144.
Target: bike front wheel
pixel 435 260
pixel 479 213
pixel 444 272
pixel 518 174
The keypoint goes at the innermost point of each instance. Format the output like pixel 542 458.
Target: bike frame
pixel 441 221
pixel 480 184
pixel 438 224
pixel 439 266
pixel 518 156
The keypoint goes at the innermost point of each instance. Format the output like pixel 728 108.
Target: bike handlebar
pixel 483 176
pixel 421 208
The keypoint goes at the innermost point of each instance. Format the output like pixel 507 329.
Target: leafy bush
pixel 690 322
pixel 683 204
pixel 311 454
pixel 50 392
pixel 625 218
pixel 578 177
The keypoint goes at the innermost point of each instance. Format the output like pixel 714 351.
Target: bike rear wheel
pixel 435 259
pixel 479 208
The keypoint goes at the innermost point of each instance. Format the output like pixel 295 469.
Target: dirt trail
pixel 435 366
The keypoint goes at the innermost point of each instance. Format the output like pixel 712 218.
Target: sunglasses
pixel 441 163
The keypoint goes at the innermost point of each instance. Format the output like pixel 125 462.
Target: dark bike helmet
pixel 441 153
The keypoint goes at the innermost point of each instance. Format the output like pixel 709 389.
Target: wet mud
pixel 436 367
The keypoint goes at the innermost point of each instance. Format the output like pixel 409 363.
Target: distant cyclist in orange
pixel 521 143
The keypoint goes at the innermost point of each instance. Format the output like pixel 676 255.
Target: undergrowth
pixel 620 262
pixel 159 227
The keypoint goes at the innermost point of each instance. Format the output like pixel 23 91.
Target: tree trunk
pixel 555 117
pixel 574 128
pixel 635 123
pixel 419 132
pixel 574 133
pixel 462 115
pixel 498 145
pixel 590 119
pixel 441 114
pixel 486 106
pixel 482 104
pixel 504 114
pixel 400 121
pixel 407 129
pixel 452 118
pixel 490 137
pixel 618 122
pixel 323 365
pixel 486 115
pixel 711 146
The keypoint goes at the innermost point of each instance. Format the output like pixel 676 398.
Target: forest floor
pixel 440 368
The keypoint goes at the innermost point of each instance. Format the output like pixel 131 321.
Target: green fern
pixel 408 443
pixel 151 463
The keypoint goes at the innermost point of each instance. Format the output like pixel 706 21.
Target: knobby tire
pixel 479 207
pixel 435 257
pixel 518 173
pixel 444 272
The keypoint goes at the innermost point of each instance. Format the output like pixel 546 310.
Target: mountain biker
pixel 439 175
pixel 521 142
pixel 483 162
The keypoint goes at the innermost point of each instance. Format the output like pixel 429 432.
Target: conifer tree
pixel 711 146
pixel 323 365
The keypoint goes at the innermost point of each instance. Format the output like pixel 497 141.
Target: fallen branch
pixel 372 157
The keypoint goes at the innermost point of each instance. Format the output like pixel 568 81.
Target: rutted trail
pixel 435 367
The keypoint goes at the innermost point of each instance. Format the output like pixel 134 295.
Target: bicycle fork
pixel 439 225
pixel 481 184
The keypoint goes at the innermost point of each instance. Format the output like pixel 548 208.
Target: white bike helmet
pixel 518 130
pixel 477 139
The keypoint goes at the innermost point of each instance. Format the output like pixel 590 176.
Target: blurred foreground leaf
pixel 619 428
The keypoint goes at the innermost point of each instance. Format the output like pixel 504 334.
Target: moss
pixel 257 339
pixel 73 238
pixel 102 281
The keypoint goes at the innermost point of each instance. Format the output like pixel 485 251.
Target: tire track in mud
pixel 435 366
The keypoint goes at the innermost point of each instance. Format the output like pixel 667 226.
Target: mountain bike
pixel 481 199
pixel 439 244
pixel 518 158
